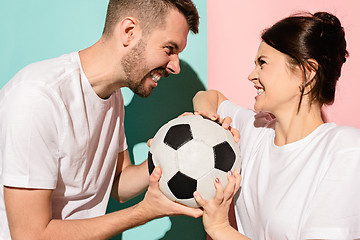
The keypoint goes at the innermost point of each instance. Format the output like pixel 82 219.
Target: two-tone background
pixel 220 57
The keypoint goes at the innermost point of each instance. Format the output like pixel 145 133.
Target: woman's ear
pixel 311 69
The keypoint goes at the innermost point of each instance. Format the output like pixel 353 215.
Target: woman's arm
pixel 208 101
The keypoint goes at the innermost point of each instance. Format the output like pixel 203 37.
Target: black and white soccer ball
pixel 192 151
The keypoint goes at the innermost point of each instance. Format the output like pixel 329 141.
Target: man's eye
pixel 169 50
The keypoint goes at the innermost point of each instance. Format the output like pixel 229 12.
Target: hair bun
pixel 328 18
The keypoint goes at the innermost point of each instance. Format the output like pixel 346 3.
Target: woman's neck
pixel 296 126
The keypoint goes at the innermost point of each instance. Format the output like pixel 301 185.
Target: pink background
pixel 234 29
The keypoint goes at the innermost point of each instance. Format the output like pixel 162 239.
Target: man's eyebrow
pixel 174 45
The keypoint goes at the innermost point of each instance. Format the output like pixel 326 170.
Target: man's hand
pixel 156 204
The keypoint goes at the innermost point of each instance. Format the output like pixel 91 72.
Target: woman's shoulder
pixel 345 137
pixel 344 131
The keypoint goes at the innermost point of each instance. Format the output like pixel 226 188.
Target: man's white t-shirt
pixel 309 189
pixel 56 133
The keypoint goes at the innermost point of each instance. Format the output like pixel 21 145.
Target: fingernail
pixel 156 172
pixel 195 194
pixel 230 173
pixel 213 117
pixel 217 180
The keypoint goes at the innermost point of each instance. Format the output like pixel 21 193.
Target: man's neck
pixel 101 68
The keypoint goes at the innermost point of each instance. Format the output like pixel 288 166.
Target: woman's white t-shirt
pixel 309 189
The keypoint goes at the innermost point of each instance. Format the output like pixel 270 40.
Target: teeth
pixel 155 76
pixel 260 91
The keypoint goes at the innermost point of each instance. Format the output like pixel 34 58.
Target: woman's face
pixel 278 86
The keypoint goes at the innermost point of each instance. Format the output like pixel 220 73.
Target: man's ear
pixel 129 29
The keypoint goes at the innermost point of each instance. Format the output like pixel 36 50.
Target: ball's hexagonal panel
pixel 165 157
pixel 235 147
pixel 182 186
pixel 195 159
pixel 165 189
pixel 151 164
pixel 208 131
pixel 206 186
pixel 224 156
pixel 178 135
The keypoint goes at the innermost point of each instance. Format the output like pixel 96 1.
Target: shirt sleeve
pixel 240 115
pixel 122 143
pixel 30 136
pixel 334 212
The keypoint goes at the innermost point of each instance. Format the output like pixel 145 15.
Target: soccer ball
pixel 192 151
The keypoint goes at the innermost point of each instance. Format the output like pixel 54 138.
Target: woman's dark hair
pixel 306 36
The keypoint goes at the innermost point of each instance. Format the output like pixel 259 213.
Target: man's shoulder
pixel 46 76
pixel 50 69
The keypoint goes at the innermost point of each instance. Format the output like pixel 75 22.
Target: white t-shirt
pixel 56 133
pixel 309 189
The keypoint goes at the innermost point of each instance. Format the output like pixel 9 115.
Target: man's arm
pixel 29 215
pixel 130 180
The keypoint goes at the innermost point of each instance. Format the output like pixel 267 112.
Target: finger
pixel 214 117
pixel 235 133
pixel 219 196
pixel 226 122
pixel 238 179
pixel 155 177
pixel 149 142
pixel 186 114
pixel 229 190
pixel 198 198
pixel 188 211
pixel 211 116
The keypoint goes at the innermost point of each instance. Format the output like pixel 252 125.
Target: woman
pixel 300 176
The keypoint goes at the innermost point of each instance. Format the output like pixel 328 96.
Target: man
pixel 63 148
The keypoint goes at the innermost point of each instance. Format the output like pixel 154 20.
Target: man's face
pixel 156 55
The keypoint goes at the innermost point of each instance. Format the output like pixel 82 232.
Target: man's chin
pixel 143 93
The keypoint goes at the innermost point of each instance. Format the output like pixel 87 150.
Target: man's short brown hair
pixel 150 13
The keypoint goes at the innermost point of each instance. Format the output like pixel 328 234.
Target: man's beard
pixel 134 65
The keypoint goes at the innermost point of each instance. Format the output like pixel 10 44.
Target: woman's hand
pixel 224 122
pixel 215 217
